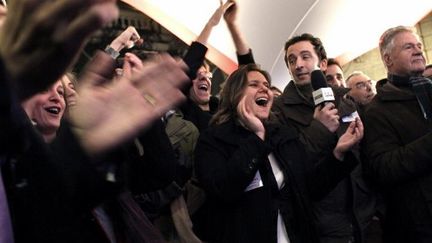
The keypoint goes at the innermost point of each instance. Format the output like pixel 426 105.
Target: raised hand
pixel 212 22
pixel 230 17
pixel 41 39
pixel 230 14
pixel 328 116
pixel 108 113
pixel 352 136
pixel 217 15
pixel 126 39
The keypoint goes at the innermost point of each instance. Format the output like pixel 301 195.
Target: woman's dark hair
pixel 232 93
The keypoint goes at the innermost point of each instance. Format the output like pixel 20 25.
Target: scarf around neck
pixel 421 87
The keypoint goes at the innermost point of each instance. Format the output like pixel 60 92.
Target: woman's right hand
pixel 249 120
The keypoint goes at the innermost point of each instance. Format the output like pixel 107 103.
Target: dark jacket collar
pixel 398 81
pixel 340 91
pixel 388 91
pixel 292 96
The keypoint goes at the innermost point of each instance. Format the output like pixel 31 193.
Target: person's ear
pixel 387 60
pixel 323 65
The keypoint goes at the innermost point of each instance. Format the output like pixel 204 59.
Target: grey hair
pixel 386 41
pixel 354 74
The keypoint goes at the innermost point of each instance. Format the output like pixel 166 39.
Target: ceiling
pixel 348 28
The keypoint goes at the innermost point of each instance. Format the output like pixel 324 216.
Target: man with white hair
pixel 398 139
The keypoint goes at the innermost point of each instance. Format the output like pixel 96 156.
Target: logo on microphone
pixel 323 95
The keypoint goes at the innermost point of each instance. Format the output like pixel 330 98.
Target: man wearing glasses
pixel 361 88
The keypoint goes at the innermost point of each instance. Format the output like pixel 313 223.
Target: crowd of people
pixel 143 152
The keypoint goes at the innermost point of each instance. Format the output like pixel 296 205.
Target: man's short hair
pixel 315 41
pixel 354 74
pixel 333 61
pixel 386 40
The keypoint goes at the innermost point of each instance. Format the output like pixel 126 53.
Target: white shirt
pixel 282 235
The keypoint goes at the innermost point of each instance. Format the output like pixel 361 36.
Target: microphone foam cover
pixel 318 80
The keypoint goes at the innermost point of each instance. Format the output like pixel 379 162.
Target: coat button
pixel 253 164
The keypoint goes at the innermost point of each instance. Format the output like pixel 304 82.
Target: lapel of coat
pixel 296 107
pixel 389 92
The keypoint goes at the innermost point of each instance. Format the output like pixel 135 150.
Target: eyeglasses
pixel 363 84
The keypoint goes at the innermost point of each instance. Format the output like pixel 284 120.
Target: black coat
pixel 50 189
pixel 291 108
pixel 227 159
pixel 352 204
pixel 43 191
pixel 397 147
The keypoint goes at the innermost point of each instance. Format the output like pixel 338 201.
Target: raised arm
pixel 127 39
pixel 212 22
pixel 195 56
pixel 244 52
pixel 41 39
pixel 230 17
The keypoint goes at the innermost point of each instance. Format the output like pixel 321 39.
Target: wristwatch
pixel 113 53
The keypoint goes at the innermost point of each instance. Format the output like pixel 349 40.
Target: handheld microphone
pixel 322 94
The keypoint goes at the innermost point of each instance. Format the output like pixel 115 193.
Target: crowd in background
pixel 142 152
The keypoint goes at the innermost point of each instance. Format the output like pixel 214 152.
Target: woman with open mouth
pixel 46 109
pixel 259 178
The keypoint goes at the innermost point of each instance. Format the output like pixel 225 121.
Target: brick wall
pixel 424 29
pixel 371 64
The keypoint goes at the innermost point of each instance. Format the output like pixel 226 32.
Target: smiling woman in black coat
pixel 258 177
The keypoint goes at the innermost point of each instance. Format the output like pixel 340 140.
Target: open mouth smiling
pixel 53 110
pixel 203 87
pixel 261 101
